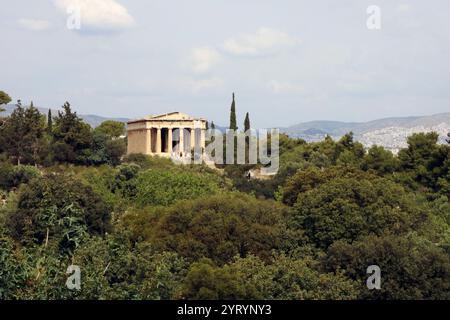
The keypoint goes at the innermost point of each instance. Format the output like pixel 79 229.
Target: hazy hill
pixel 93 120
pixel 337 128
pixel 388 132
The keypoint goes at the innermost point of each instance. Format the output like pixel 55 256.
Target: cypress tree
pixel 49 121
pixel 247 122
pixel 247 139
pixel 213 126
pixel 233 124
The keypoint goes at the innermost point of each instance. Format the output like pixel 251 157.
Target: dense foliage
pixel 142 227
pixel 217 227
pixel 27 137
pixel 60 208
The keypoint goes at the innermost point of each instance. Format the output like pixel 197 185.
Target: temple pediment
pixel 172 116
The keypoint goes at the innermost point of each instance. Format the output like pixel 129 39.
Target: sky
pixel 287 61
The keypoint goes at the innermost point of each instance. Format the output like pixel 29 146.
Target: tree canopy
pixel 4 99
pixel 142 227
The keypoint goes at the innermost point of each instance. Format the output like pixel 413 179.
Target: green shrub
pixel 348 208
pixel 12 271
pixel 165 187
pixel 60 208
pixel 411 267
pixel 147 162
pixel 251 278
pixel 13 176
pixel 218 227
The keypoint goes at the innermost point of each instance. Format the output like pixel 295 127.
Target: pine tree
pixel 49 121
pixel 12 132
pixel 23 132
pixel 72 137
pixel 233 123
pixel 4 99
pixel 34 141
pixel 247 122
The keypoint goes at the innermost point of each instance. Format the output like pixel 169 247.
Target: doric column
pixel 158 141
pixel 181 140
pixel 169 140
pixel 148 147
pixel 192 139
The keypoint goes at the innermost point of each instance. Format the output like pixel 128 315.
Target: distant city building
pixel 167 134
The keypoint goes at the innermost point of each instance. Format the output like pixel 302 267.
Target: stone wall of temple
pixel 165 135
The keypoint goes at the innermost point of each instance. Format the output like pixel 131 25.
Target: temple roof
pixel 171 116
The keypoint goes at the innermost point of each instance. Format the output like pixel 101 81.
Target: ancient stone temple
pixel 167 134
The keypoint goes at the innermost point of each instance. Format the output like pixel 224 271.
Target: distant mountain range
pixel 92 120
pixel 390 133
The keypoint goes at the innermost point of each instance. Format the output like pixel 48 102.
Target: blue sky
pixel 287 61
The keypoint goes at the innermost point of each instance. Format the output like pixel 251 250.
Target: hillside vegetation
pixel 144 228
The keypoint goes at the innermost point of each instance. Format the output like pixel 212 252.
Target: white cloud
pixel 34 24
pixel 98 15
pixel 285 87
pixel 202 85
pixel 403 7
pixel 264 41
pixel 202 59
